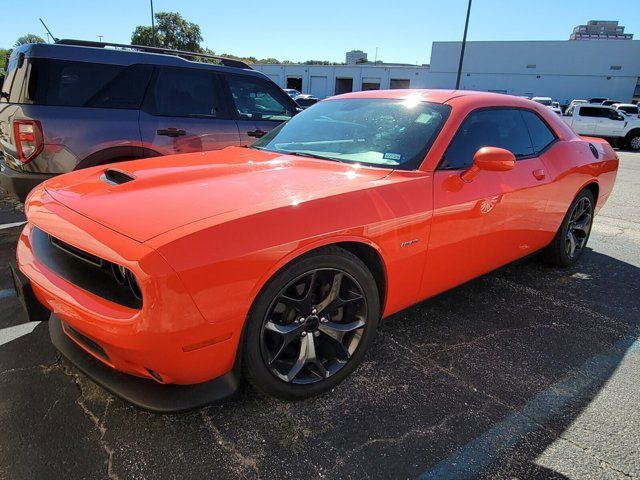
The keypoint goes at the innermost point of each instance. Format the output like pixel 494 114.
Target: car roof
pixel 624 105
pixel 439 96
pixel 120 57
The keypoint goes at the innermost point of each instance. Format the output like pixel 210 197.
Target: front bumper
pixel 19 184
pixel 143 393
pixel 166 343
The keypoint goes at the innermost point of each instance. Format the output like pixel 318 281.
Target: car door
pixel 612 123
pixel 587 120
pixel 258 105
pixel 185 111
pixel 495 218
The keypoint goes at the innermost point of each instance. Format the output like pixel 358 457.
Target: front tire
pixel 571 238
pixel 311 325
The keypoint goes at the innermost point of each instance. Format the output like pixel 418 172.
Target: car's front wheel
pixel 571 238
pixel 311 325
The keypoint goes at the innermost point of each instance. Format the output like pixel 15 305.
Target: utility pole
pixel 153 25
pixel 375 61
pixel 464 44
pixel 100 38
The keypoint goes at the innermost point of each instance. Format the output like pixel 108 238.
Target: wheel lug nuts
pixel 314 311
pixel 324 320
pixel 316 333
pixel 304 334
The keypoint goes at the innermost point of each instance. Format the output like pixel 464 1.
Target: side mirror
pixel 492 159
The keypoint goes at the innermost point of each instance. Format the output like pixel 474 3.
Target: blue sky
pixel 322 29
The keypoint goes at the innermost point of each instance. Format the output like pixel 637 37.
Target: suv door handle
pixel 539 174
pixel 256 133
pixel 172 132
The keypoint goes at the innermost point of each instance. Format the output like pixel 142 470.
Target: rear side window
pixel 84 84
pixel 592 112
pixel 541 134
pixel 503 128
pixel 257 99
pixel 186 92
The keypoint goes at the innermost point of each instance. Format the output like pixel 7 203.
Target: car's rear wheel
pixel 571 239
pixel 311 325
pixel 633 140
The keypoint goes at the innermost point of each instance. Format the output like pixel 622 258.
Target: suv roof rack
pixel 227 62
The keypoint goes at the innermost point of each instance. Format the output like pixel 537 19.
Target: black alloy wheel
pixel 311 325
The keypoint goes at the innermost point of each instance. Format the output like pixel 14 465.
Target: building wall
pixel 563 70
pixel 320 80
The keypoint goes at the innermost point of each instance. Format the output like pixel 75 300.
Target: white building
pixel 355 56
pixel 563 70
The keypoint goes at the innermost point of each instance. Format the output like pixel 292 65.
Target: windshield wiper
pixel 311 155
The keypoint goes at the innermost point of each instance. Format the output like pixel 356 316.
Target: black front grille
pixel 87 271
pixel 87 342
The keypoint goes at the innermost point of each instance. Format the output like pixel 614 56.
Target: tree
pixel 172 31
pixel 29 38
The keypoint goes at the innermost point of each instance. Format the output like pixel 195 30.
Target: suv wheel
pixel 633 140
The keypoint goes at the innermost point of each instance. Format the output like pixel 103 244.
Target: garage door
pixel 318 86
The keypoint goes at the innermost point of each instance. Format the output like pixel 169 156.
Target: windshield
pixel 382 132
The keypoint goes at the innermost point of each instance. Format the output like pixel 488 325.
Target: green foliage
pixel 172 31
pixel 29 38
pixel 4 55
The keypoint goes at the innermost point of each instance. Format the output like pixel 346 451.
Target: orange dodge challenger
pixel 168 279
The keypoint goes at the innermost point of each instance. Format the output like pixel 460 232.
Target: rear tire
pixel 571 238
pixel 633 140
pixel 311 325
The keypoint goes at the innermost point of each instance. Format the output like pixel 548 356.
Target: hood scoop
pixel 113 176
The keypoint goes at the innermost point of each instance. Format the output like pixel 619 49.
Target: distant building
pixel 355 56
pixel 555 69
pixel 600 30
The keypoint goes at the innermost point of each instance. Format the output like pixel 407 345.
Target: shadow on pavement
pixel 476 382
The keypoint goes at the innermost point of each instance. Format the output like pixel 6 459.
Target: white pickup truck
pixel 607 122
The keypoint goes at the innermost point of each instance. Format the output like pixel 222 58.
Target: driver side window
pixel 502 128
pixel 257 99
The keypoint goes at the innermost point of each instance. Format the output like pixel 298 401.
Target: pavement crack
pixel 99 423
pixel 592 454
pixel 247 462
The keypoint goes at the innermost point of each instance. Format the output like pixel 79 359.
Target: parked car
pixel 606 122
pixel 555 106
pixel 608 103
pixel 292 92
pixel 305 100
pixel 276 262
pixel 75 104
pixel 598 100
pixel 549 103
pixel 628 108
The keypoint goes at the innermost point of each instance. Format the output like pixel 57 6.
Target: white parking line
pixel 11 225
pixel 11 333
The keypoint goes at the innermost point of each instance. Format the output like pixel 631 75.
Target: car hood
pixel 164 193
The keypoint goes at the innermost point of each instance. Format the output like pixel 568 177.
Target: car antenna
pixel 48 31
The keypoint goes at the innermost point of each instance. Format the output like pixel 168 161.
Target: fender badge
pixel 409 242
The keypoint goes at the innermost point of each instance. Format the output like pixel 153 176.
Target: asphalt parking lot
pixel 528 372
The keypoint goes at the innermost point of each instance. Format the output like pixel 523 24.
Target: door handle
pixel 539 174
pixel 171 132
pixel 256 133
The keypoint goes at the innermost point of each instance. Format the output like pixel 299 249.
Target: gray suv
pixel 76 104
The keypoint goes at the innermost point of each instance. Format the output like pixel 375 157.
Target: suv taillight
pixel 28 138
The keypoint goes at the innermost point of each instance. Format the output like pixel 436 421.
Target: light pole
pixel 100 38
pixel 153 26
pixel 464 44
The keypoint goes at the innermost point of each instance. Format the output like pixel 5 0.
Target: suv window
pixel 186 92
pixel 541 135
pixel 592 112
pixel 67 83
pixel 257 99
pixel 504 128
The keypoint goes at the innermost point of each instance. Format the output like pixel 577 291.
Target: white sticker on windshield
pixel 392 156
